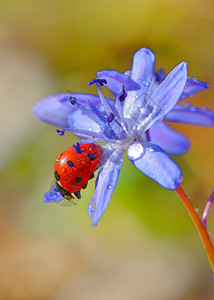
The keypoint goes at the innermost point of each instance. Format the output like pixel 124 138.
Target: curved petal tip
pixel 155 163
pixel 53 195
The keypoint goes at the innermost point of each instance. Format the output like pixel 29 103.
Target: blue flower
pixel 57 111
pixel 122 125
pixel 169 139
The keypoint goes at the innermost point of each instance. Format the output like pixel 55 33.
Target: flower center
pixel 125 143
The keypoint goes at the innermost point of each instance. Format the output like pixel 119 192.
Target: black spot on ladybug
pixel 79 179
pixel 70 163
pixel 91 156
pixel 56 175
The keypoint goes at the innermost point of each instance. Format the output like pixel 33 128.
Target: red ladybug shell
pixel 74 168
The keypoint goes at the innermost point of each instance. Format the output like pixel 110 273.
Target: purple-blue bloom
pixel 57 110
pixel 122 124
pixel 169 139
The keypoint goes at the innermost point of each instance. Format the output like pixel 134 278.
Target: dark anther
pixel 56 175
pixel 160 75
pixel 79 179
pixel 72 100
pixel 101 82
pixel 60 132
pixel 70 163
pixel 122 94
pixel 77 149
pixel 91 156
pixel 78 195
pixel 110 118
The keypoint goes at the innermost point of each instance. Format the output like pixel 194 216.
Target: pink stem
pixel 207 209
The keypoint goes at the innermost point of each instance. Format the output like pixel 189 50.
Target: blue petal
pixel 142 73
pixel 105 185
pixel 81 121
pixel 142 68
pixel 155 163
pixel 169 139
pixel 56 109
pixel 192 87
pixel 53 195
pixel 107 151
pixel 164 98
pixel 115 80
pixel 189 114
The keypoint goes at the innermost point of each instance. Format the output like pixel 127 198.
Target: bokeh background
pixel 145 246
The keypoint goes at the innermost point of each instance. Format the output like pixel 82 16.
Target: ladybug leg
pixel 92 176
pixel 78 195
pixel 65 194
pixel 68 196
pixel 85 186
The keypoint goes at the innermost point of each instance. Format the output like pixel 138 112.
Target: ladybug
pixel 73 169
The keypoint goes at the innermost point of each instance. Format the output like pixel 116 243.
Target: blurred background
pixel 145 246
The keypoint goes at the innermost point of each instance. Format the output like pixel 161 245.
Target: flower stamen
pixel 77 149
pixel 61 131
pixel 122 94
pixel 101 82
pixel 72 100
pixel 110 118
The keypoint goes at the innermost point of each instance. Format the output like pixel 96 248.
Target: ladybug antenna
pixel 77 149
